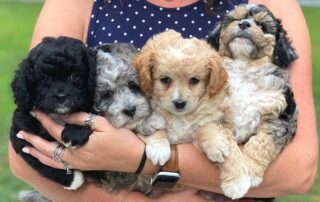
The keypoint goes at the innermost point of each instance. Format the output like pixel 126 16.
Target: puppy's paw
pixel 152 124
pixel 236 188
pixel 74 135
pixel 158 152
pixel 78 180
pixel 217 149
pixel 256 180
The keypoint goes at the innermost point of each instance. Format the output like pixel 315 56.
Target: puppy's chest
pixel 181 130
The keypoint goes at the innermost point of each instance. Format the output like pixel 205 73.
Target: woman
pixel 293 172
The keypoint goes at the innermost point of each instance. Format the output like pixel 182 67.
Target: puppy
pixel 257 54
pixel 120 100
pixel 57 77
pixel 188 88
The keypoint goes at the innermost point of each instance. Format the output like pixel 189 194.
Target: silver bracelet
pixel 123 198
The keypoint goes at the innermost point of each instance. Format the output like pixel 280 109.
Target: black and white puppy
pixel 257 54
pixel 57 77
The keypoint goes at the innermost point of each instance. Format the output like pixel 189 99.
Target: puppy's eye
pixel 262 27
pixel 194 81
pixel 44 78
pixel 166 80
pixel 133 86
pixel 108 94
pixel 74 76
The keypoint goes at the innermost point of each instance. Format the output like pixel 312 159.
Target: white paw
pixel 158 152
pixel 67 144
pixel 236 188
pixel 78 180
pixel 217 151
pixel 255 180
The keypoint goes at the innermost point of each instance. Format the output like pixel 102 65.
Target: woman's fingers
pixel 99 123
pixel 50 125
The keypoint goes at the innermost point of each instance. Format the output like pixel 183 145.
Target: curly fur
pixel 257 54
pixel 57 77
pixel 188 88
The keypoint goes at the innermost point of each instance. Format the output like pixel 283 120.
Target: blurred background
pixel 17 19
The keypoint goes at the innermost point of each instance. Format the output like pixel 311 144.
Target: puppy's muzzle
pixel 179 104
pixel 130 111
pixel 244 25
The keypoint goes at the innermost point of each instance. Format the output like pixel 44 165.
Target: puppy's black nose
pixel 179 104
pixel 60 96
pixel 130 111
pixel 244 25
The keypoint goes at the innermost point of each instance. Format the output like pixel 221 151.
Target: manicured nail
pixel 25 150
pixel 20 136
pixel 32 114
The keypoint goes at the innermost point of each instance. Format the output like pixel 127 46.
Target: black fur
pixel 57 77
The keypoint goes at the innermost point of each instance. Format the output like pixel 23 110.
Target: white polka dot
pixel 109 34
pixel 220 2
pixel 109 1
pixel 95 36
pixel 167 29
pixel 192 22
pixel 131 41
pixel 103 28
pixel 150 28
pixel 100 8
pixel 94 0
pixel 159 22
pixel 200 29
pixel 161 9
pixel 168 15
pixel 202 14
pixel 125 34
pixel 92 16
pixel 127 19
pixel 112 20
pixel 176 22
pixel 138 49
pixel 115 41
pixel 97 21
pixel 209 22
pixel 152 14
pixel 145 7
pixel 106 14
pixel 178 9
pixel 143 20
pixel 190 36
pixel 134 27
pixel 136 12
pixel 183 29
pixel 129 5
pixel 218 16
pixel 91 32
pixel 115 6
pixel 141 35
pixel 185 15
pixel 195 8
pixel 207 36
pixel 211 8
pixel 227 11
pixel 100 42
pixel 118 26
pixel 121 12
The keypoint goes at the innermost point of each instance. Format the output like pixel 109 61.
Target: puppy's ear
pixel 283 53
pixel 218 78
pixel 144 63
pixel 214 36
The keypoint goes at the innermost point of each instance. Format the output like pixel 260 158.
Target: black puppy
pixel 57 77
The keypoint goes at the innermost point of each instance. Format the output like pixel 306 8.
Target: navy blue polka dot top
pixel 135 21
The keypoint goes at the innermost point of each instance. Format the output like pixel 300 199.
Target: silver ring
pixel 57 156
pixel 89 120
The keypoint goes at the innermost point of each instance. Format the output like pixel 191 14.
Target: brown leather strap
pixel 172 164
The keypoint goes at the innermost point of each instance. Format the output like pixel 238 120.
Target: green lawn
pixel 17 21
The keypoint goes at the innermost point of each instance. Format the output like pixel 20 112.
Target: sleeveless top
pixel 135 21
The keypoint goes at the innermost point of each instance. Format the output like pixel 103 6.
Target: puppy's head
pixel 58 76
pixel 252 32
pixel 178 72
pixel 118 96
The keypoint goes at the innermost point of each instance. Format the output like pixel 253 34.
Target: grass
pixel 17 21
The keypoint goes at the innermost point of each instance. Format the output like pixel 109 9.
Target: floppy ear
pixel 214 36
pixel 218 78
pixel 283 53
pixel 144 63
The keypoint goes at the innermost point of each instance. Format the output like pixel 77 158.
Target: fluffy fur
pixel 188 88
pixel 257 54
pixel 57 77
pixel 120 100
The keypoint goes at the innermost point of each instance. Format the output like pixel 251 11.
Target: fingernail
pixel 32 114
pixel 25 150
pixel 20 136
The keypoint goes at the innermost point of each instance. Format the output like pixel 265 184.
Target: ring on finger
pixel 89 120
pixel 57 156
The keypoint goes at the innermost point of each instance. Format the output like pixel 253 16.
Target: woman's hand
pixel 108 148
